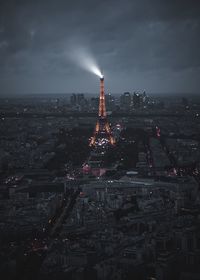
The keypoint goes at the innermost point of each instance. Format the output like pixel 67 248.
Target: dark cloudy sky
pixel 140 44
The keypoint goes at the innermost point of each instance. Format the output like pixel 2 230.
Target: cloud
pixel 127 38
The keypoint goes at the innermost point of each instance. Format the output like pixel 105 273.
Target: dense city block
pixel 121 211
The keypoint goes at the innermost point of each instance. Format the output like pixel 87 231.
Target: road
pixel 30 265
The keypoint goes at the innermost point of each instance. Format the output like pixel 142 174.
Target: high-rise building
pixel 78 101
pixel 73 99
pixel 137 100
pixel 110 102
pixel 126 101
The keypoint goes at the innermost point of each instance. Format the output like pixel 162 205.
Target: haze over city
pixel 152 45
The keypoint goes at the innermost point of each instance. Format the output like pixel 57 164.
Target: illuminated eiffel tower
pixel 102 134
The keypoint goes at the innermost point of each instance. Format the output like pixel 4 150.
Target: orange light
pixel 104 126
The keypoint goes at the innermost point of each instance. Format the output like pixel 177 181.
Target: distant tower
pixel 102 134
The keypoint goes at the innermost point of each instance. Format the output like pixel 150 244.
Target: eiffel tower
pixel 102 134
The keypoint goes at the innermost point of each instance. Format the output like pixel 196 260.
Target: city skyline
pixel 99 181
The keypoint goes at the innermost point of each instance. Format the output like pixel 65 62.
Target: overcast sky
pixel 139 44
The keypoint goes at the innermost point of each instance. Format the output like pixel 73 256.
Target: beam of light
pixel 84 59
